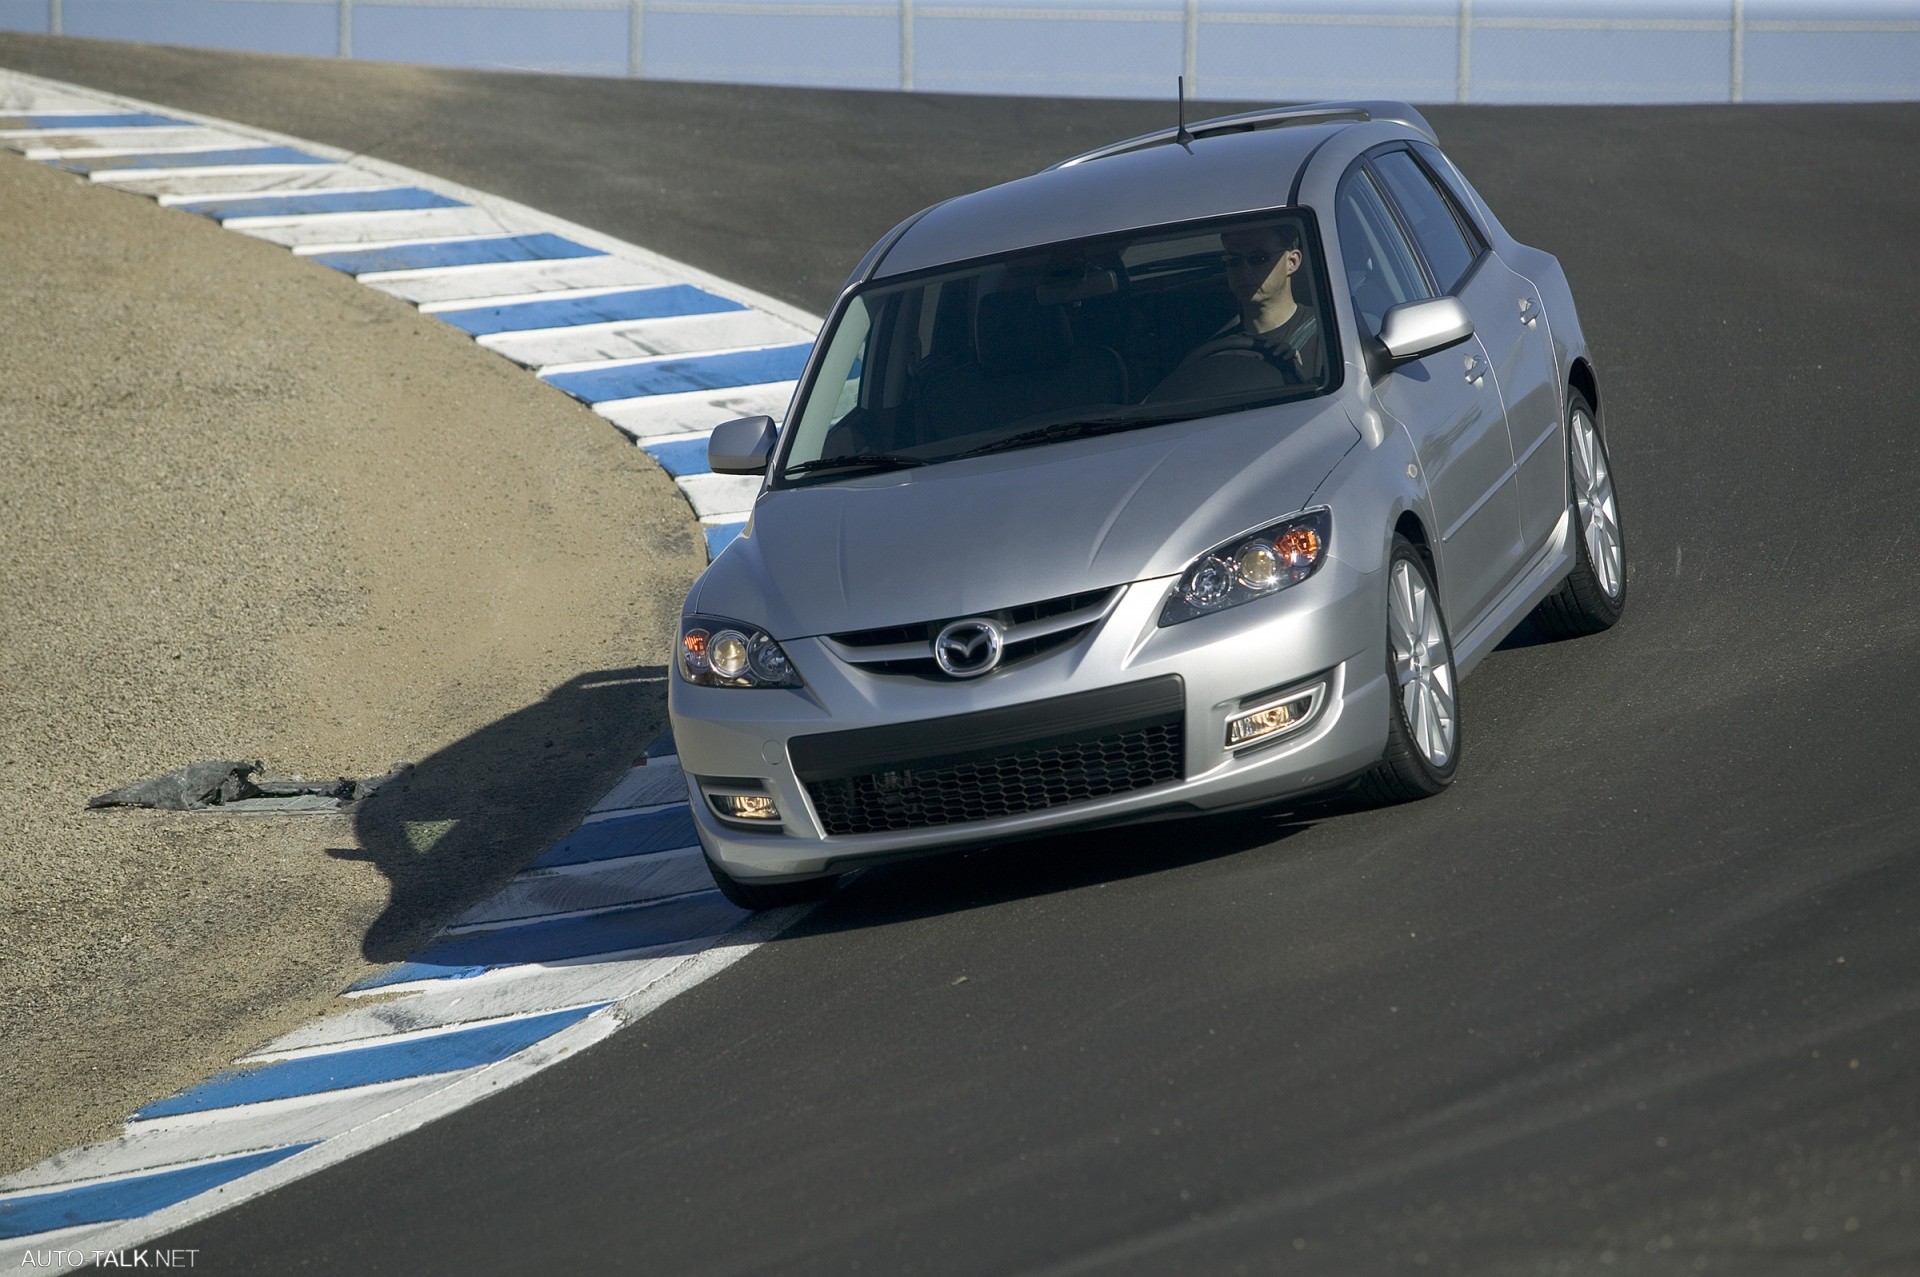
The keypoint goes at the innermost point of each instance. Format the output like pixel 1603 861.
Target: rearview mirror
pixel 740 446
pixel 1414 330
pixel 1078 286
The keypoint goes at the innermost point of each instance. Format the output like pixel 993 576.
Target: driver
pixel 1273 326
pixel 1261 264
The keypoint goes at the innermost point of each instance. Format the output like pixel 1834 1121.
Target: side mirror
pixel 741 446
pixel 1414 330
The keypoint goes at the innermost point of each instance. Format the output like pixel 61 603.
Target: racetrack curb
pixel 618 917
pixel 664 378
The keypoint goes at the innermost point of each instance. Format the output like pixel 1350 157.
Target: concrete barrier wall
pixel 1543 51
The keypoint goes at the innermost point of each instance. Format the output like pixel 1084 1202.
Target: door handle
pixel 1528 315
pixel 1475 370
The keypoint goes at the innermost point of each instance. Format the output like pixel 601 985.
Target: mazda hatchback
pixel 1189 474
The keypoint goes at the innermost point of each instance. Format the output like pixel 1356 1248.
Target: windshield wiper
pixel 856 461
pixel 1072 430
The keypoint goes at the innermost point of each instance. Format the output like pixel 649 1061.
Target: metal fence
pixel 1419 50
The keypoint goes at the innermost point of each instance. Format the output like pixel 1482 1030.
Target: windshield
pixel 1082 338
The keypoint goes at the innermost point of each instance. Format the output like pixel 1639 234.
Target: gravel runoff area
pixel 249 509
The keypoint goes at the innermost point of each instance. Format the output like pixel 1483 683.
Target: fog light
pixel 757 807
pixel 1274 719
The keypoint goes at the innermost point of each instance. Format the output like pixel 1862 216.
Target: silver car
pixel 1189 474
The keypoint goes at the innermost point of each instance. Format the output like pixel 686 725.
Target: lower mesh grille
pixel 1048 774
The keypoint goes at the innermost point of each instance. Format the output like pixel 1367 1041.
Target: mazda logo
pixel 968 649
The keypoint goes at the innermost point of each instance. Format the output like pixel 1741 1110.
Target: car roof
pixel 1235 164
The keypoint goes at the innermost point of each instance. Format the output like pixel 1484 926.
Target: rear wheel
pixel 1595 592
pixel 1423 725
pixel 748 894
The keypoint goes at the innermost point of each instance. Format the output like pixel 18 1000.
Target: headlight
pixel 1251 567
pixel 717 653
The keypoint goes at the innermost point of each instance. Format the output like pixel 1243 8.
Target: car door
pixel 1448 404
pixel 1508 316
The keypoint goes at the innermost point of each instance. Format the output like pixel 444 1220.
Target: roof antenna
pixel 1180 134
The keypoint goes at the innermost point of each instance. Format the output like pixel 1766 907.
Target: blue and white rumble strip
pixel 610 922
pixel 663 351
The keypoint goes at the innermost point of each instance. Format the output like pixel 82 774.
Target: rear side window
pixel 1429 217
pixel 1466 201
pixel 1381 269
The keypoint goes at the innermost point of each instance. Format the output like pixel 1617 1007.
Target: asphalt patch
pixel 229 785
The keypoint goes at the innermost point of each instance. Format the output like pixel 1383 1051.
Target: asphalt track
pixel 1640 994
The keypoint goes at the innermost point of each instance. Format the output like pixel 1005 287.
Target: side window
pixel 1429 216
pixel 1381 270
pixel 837 389
pixel 1467 204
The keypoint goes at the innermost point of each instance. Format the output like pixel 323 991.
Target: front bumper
pixel 1331 626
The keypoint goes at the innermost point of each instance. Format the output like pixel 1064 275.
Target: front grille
pixel 1013 654
pixel 1071 750
pixel 1027 635
pixel 1021 615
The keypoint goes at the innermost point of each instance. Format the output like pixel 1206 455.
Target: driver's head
pixel 1261 261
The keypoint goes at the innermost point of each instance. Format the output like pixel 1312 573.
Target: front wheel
pixel 1423 725
pixel 769 895
pixel 1595 592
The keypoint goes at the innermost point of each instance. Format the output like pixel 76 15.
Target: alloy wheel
pixel 1599 513
pixel 1422 666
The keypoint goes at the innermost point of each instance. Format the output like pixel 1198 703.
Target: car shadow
pixel 958 881
pixel 454 828
pixel 1524 635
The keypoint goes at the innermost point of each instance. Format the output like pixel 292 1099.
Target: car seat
pixel 1026 363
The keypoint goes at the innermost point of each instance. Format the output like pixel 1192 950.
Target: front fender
pixel 1371 489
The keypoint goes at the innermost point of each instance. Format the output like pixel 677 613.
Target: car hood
pixel 997 531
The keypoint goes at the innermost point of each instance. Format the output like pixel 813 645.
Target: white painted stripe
pixel 252 181
pixel 654 783
pixel 414 241
pixel 424 1033
pixel 102 139
pixel 672 948
pixel 82 1238
pixel 30 95
pixel 129 176
pixel 701 884
pixel 550 295
pixel 613 862
pixel 477 270
pixel 636 361
pixel 359 184
pixel 620 813
pixel 506 992
pixel 213 139
pixel 652 416
pixel 715 496
pixel 545 893
pixel 325 232
pixel 107 1177
pixel 551 349
pixel 374 1098
pixel 156 1145
pixel 519 281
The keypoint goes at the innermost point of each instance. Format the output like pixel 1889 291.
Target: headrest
pixel 1016 333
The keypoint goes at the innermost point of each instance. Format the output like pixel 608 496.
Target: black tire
pixel 1404 771
pixel 1583 604
pixel 769 895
